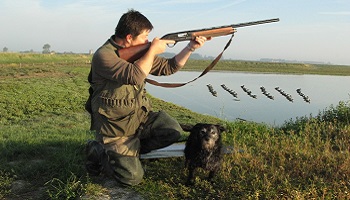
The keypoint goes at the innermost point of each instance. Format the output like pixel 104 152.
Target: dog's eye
pixel 203 131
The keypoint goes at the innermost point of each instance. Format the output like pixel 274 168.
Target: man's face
pixel 140 39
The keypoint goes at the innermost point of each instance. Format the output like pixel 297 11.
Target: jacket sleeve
pixel 164 66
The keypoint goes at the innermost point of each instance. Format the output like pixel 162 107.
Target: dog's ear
pixel 220 128
pixel 186 127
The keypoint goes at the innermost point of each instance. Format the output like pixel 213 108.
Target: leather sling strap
pixel 206 70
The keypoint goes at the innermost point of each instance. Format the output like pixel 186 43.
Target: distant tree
pixel 46 48
pixel 5 49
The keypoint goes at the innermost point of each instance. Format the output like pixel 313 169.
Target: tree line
pixel 46 49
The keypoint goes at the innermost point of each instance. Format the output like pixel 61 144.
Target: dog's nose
pixel 207 138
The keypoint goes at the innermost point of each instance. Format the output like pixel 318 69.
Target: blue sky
pixel 309 30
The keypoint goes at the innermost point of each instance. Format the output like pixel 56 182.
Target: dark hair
pixel 132 22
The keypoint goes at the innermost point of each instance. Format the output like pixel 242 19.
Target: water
pixel 323 92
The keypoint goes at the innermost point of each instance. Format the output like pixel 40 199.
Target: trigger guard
pixel 171 45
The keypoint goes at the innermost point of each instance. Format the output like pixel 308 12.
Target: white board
pixel 174 150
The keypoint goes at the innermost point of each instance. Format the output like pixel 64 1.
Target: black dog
pixel 203 149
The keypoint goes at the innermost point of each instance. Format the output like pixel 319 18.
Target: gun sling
pixel 206 70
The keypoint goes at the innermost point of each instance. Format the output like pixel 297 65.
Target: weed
pixel 69 189
pixel 6 180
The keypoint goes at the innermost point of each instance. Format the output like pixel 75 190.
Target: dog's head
pixel 207 134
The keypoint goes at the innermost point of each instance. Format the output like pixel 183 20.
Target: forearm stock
pixel 131 54
pixel 214 33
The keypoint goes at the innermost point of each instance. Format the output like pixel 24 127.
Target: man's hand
pixel 182 57
pixel 198 42
pixel 158 46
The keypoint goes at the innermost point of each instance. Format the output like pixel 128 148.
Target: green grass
pixel 35 58
pixel 44 128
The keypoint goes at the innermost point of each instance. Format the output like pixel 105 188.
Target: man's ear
pixel 128 38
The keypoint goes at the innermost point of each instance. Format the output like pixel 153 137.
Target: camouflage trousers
pixel 119 156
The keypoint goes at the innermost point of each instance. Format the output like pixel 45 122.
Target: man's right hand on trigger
pixel 159 46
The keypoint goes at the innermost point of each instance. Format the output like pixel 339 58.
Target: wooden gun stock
pixel 131 54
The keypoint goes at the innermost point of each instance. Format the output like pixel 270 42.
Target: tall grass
pixel 271 164
pixel 44 128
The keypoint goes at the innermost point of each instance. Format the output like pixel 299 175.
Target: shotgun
pixel 133 53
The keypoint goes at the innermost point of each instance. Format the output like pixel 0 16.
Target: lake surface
pixel 323 91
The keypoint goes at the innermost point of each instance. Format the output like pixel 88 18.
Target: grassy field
pixel 44 128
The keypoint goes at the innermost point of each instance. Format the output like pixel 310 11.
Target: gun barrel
pixel 255 23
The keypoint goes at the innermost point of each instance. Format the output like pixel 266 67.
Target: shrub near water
pixel 43 130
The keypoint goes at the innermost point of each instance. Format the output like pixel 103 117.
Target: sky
pixel 308 30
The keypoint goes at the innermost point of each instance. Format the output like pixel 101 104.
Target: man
pixel 121 114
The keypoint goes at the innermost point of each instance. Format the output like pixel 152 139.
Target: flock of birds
pixel 249 93
pixel 212 91
pixel 263 90
pixel 305 97
pixel 267 94
pixel 233 93
pixel 283 93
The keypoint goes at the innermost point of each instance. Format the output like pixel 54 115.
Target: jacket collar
pixel 111 40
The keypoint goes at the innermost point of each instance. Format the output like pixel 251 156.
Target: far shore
pixel 31 59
